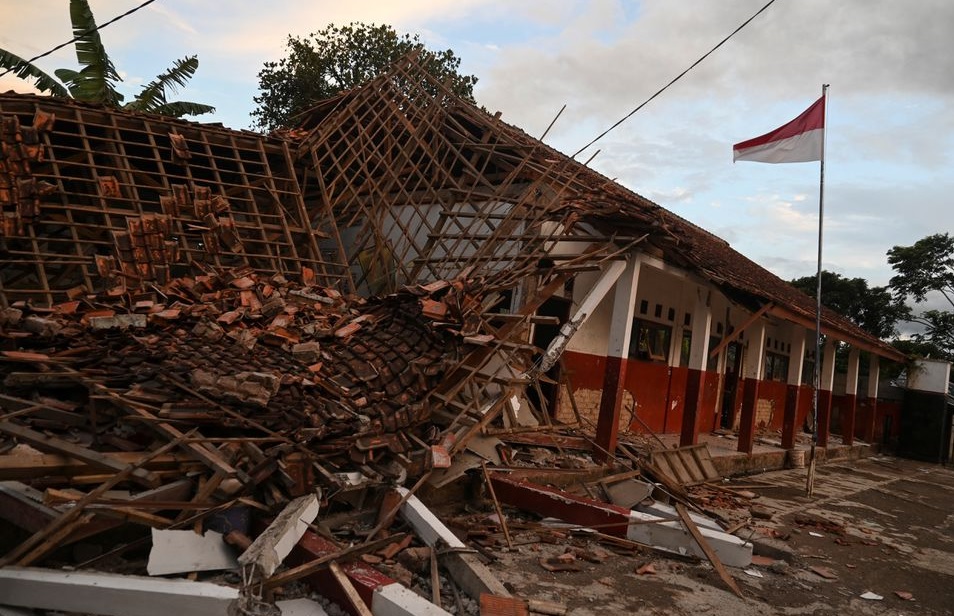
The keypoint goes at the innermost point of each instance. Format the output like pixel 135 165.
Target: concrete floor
pixel 876 525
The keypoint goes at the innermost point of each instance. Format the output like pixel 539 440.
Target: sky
pixel 889 63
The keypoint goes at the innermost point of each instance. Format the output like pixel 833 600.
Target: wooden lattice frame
pixel 114 174
pixel 425 186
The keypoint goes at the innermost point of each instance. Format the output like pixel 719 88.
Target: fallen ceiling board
pixel 669 512
pixel 731 550
pixel 628 493
pixel 398 600
pixel 271 547
pixel 112 595
pixel 300 607
pixel 184 551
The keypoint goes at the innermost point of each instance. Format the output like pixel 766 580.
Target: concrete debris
pixel 275 543
pixel 327 351
pixel 300 607
pixel 184 551
pixel 91 592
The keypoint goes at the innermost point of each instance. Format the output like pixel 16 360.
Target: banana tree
pixel 97 78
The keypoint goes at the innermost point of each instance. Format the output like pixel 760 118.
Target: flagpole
pixel 810 484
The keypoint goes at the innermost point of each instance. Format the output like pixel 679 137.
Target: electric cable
pixel 81 35
pixel 675 79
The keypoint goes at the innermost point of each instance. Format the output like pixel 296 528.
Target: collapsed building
pixel 225 320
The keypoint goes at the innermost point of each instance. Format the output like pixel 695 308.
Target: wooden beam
pixel 306 569
pixel 706 548
pixel 93 458
pixel 730 338
pixel 357 605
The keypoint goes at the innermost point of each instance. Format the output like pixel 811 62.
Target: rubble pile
pixel 228 355
pixel 265 428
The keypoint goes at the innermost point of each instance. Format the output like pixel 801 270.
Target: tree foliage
pixel 341 58
pixel 97 79
pixel 925 267
pixel 874 309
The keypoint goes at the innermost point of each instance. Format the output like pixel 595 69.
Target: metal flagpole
pixel 810 484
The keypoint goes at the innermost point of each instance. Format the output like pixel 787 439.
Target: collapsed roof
pixel 230 319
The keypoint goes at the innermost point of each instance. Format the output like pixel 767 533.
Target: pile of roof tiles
pixel 262 388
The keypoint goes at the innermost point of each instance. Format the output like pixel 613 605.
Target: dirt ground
pixel 879 525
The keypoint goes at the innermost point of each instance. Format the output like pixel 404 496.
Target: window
pixel 808 367
pixel 776 367
pixel 685 347
pixel 650 341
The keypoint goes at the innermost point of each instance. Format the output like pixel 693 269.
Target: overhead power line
pixel 675 79
pixel 82 34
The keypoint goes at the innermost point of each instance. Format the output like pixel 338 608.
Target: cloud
pixel 891 105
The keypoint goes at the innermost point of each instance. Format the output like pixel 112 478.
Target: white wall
pixel 929 375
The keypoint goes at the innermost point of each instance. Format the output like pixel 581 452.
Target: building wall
pixel 654 391
pixel 770 407
pixel 657 390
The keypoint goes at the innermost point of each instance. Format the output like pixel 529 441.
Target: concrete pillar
pixel 796 363
pixel 825 385
pixel 851 398
pixel 752 369
pixel 868 423
pixel 617 351
pixel 698 362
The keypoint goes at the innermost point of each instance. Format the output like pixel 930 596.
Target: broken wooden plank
pixel 35 465
pixel 435 578
pixel 46 538
pixel 497 508
pixel 93 458
pixel 355 603
pixel 306 569
pixel 707 549
pixel 90 592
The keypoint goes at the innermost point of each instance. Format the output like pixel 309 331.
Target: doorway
pixel 543 335
pixel 730 384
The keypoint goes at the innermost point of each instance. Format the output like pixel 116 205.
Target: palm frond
pixel 156 92
pixel 92 56
pixel 25 70
pixel 88 86
pixel 178 109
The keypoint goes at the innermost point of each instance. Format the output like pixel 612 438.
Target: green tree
pixel 341 58
pixel 925 267
pixel 97 78
pixel 874 309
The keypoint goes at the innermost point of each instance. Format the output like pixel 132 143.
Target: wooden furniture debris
pixel 690 465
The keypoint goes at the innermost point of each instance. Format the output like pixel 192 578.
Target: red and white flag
pixel 799 141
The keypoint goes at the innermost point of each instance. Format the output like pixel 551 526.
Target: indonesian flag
pixel 798 141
